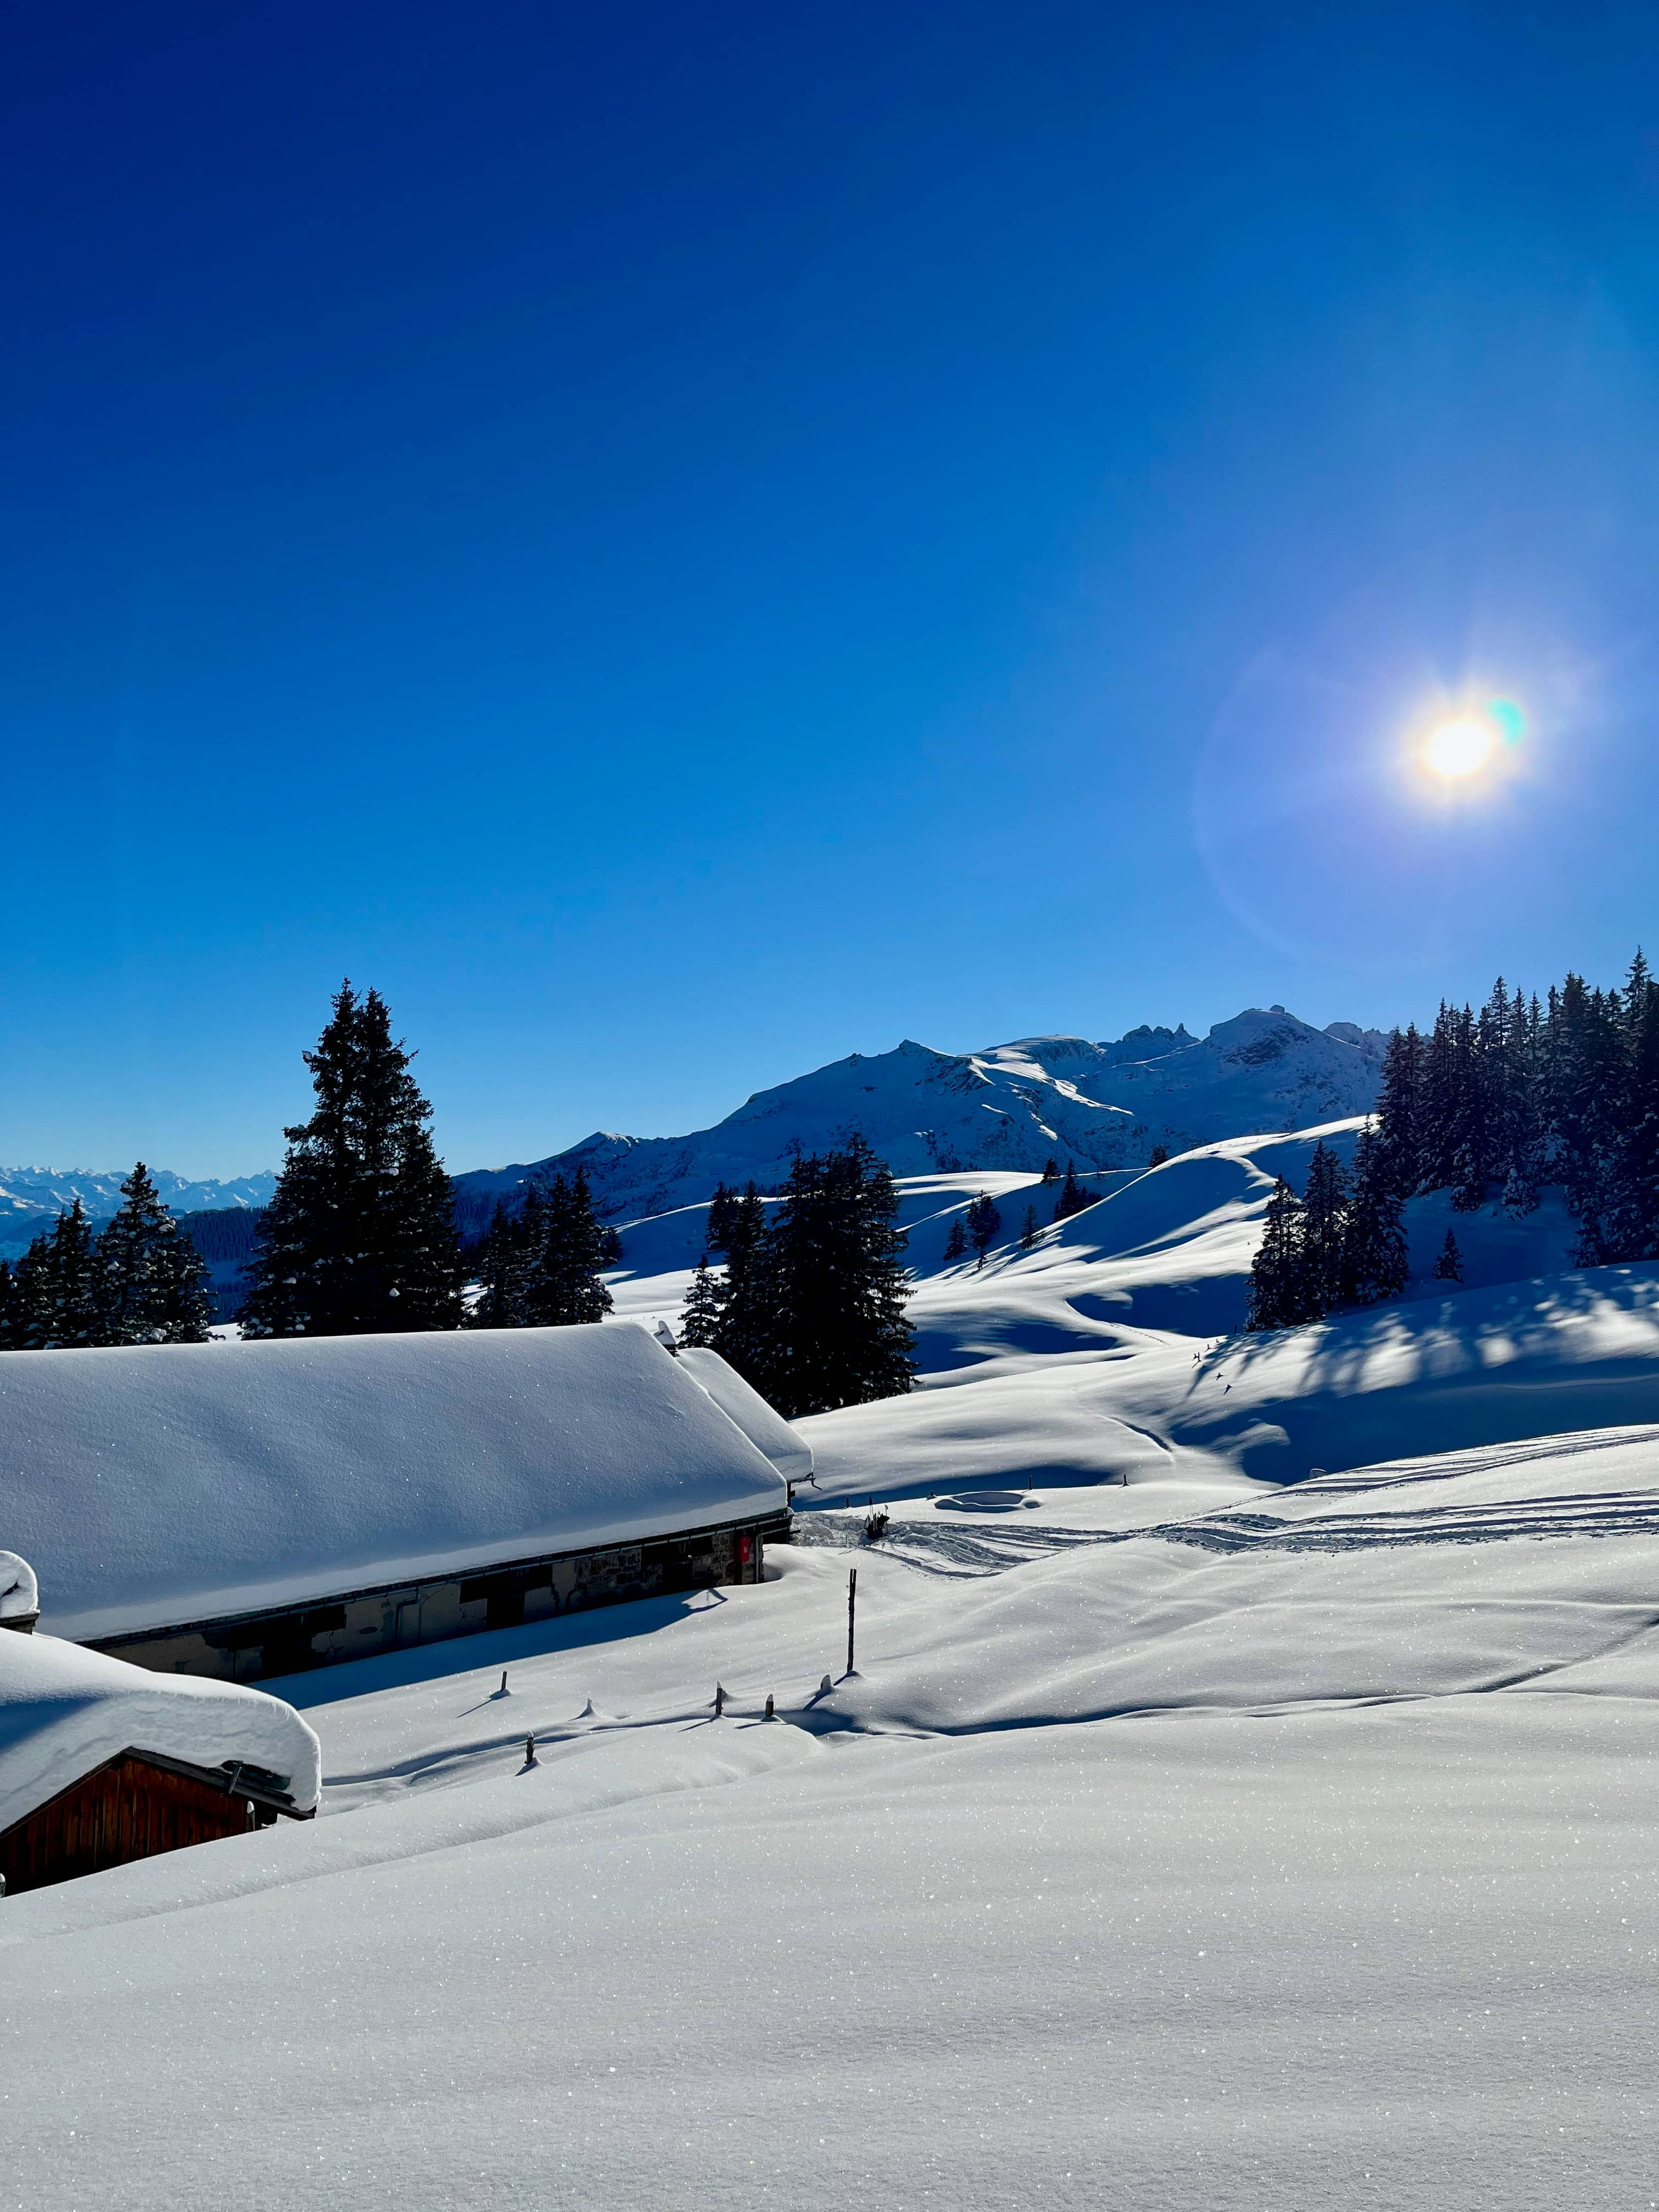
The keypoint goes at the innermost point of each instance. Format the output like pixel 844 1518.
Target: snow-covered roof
pixel 64 1710
pixel 172 1483
pixel 20 1598
pixel 763 1426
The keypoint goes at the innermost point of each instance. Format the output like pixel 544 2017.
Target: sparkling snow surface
pixel 64 1711
pixel 178 1481
pixel 1299 1856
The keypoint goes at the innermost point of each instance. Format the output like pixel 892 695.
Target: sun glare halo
pixel 1459 748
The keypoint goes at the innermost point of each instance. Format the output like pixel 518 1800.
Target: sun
pixel 1458 748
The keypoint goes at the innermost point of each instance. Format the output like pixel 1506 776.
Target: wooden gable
pixel 130 1808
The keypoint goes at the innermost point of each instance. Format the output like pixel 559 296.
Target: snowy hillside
pixel 1111 1352
pixel 1005 1109
pixel 1180 1846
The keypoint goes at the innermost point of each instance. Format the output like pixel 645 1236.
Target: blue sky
pixel 681 543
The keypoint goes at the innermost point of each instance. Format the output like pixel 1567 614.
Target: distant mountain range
pixel 1103 1105
pixel 31 1199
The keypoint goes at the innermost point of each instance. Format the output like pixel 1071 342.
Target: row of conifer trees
pixel 811 1307
pixel 1497 1103
pixel 539 1268
pixel 1489 1107
pixel 139 1281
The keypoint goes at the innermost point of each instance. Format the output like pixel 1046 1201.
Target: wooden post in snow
pixel 852 1609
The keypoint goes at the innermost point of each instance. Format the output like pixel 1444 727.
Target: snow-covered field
pixel 1300 1855
pixel 1184 1839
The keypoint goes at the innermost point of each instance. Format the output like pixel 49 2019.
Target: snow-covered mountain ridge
pixel 1104 1105
pixel 32 1198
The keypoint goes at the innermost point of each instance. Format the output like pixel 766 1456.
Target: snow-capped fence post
pixel 768 1706
pixel 530 1751
pixel 852 1607
pixel 719 1700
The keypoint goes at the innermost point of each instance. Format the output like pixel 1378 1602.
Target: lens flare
pixel 1457 749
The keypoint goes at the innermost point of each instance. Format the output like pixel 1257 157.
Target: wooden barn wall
pixel 126 1809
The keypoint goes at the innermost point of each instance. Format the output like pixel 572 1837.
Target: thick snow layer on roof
pixel 20 1598
pixel 763 1426
pixel 172 1483
pixel 64 1711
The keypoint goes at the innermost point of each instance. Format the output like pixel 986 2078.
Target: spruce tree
pixel 722 1217
pixel 699 1319
pixel 155 1288
pixel 568 1292
pixel 1028 1235
pixel 816 1317
pixel 745 1337
pixel 955 1244
pixel 499 1303
pixel 1374 1261
pixel 984 1226
pixel 11 1310
pixel 1160 1155
pixel 359 1233
pixel 1399 1112
pixel 1050 1169
pixel 1449 1267
pixel 1275 1293
pixel 1071 1199
pixel 71 1304
pixel 1323 1230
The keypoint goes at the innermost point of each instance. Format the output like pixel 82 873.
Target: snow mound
pixel 64 1711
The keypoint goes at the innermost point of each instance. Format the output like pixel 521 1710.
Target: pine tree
pixel 359 1233
pixel 984 1226
pixel 1449 1267
pixel 1051 1170
pixel 955 1244
pixel 568 1292
pixel 499 1304
pixel 1029 1232
pixel 722 1217
pixel 1160 1154
pixel 1072 1197
pixel 1374 1260
pixel 1323 1229
pixel 155 1289
pixel 820 1319
pixel 70 1304
pixel 1399 1112
pixel 700 1319
pixel 745 1337
pixel 1275 1293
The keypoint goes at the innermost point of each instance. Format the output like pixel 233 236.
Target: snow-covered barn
pixel 101 1762
pixel 246 1510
